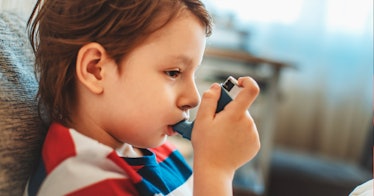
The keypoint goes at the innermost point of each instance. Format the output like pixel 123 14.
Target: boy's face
pixel 154 87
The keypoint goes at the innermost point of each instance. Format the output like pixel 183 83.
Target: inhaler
pixel 229 90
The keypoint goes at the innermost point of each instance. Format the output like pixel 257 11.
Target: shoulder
pixel 167 155
pixel 365 189
pixel 75 163
pixel 67 145
pixel 165 148
pixel 165 151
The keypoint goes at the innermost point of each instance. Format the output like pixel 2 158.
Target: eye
pixel 173 73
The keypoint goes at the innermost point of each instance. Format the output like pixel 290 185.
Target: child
pixel 114 76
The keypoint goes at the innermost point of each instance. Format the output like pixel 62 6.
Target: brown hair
pixel 59 28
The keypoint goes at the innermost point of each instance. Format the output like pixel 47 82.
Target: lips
pixel 170 131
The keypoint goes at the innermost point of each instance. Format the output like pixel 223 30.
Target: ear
pixel 89 64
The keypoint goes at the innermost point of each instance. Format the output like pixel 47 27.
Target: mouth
pixel 170 131
pixel 185 117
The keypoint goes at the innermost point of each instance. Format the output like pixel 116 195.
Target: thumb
pixel 209 101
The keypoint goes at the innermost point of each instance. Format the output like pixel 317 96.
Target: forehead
pixel 180 40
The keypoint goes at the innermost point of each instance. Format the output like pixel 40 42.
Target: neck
pixel 90 128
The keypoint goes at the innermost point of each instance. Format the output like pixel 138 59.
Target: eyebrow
pixel 182 58
pixel 185 60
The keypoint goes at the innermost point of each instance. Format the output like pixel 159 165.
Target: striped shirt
pixel 74 164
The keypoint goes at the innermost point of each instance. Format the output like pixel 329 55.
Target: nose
pixel 189 97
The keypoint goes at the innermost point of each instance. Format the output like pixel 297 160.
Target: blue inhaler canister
pixel 229 90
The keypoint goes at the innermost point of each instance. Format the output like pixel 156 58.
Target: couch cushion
pixel 294 173
pixel 21 131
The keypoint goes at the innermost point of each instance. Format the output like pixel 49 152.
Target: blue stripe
pixel 37 179
pixel 164 177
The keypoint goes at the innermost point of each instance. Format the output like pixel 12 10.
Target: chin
pixel 153 143
pixel 160 142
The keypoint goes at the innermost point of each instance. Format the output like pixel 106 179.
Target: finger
pixel 247 95
pixel 208 103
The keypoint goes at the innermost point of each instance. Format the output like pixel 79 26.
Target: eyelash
pixel 173 73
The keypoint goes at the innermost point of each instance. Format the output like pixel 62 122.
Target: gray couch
pixel 21 131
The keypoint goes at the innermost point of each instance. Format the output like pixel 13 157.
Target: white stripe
pixel 26 191
pixel 91 165
pixel 185 189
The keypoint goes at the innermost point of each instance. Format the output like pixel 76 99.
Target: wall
pixel 325 106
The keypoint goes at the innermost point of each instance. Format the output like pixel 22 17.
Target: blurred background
pixel 316 129
pixel 313 60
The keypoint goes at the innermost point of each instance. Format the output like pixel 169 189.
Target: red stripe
pixel 123 187
pixel 163 152
pixel 57 147
pixel 137 167
pixel 133 175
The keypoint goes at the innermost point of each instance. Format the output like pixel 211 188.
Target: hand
pixel 225 141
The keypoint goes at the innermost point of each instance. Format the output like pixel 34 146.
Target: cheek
pixel 147 106
pixel 150 99
pixel 154 106
pixel 141 116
